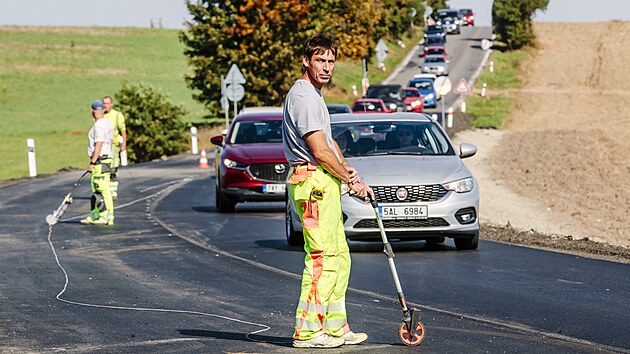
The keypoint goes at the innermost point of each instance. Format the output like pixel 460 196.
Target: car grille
pixel 401 224
pixel 428 193
pixel 267 172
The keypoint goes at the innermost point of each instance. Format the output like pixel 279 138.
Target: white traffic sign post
pixel 381 53
pixel 443 86
pixel 234 90
pixel 193 133
pixel 462 89
pixel 225 105
pixel 32 165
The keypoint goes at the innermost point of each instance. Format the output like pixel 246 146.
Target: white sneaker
pixel 323 341
pixel 351 338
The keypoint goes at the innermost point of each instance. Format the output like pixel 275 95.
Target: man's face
pixel 404 137
pixel 108 105
pixel 97 113
pixel 320 67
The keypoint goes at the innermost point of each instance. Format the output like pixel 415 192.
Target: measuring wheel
pixel 412 338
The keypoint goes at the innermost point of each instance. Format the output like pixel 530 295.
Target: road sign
pixel 381 51
pixel 235 92
pixel 442 85
pixel 462 87
pixel 234 76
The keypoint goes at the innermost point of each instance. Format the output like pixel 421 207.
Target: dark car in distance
pixel 390 94
pixel 250 166
pixel 435 29
pixel 434 40
pixel 336 108
pixel 451 19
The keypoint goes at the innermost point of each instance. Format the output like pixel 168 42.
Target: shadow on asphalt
pixel 279 341
pixel 266 207
pixel 280 245
pixel 205 209
pixel 365 247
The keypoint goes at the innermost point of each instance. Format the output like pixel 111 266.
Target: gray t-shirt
pixel 304 111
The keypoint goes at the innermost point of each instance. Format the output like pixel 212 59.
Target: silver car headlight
pixel 460 186
pixel 426 68
pixel 392 106
pixel 234 164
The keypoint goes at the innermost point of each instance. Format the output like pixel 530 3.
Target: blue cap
pixel 98 105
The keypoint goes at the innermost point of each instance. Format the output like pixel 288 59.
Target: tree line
pixel 265 38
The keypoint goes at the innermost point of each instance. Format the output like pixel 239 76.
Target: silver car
pixel 423 189
pixel 434 64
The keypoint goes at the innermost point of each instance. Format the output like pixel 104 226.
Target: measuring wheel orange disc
pixel 412 338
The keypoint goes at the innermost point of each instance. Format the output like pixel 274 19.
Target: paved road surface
pixel 174 275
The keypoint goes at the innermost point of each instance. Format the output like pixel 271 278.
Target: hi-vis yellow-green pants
pixel 100 184
pixel 322 306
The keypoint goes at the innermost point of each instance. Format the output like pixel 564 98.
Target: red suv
pixel 250 162
pixel 468 17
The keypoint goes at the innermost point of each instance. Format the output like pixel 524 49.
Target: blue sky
pixel 173 13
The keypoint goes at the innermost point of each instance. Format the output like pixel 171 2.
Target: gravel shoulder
pixel 555 175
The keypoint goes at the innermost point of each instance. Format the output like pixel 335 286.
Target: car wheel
pixel 294 238
pixel 467 243
pixel 223 204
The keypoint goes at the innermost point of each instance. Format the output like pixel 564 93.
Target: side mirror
pixel 467 150
pixel 217 140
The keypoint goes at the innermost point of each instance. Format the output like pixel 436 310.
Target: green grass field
pixel 491 111
pixel 50 75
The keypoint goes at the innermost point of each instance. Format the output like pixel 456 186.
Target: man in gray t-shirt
pixel 318 169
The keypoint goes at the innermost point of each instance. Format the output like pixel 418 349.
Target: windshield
pixel 434 51
pixel 410 93
pixel 367 138
pixel 257 131
pixel 433 40
pixel 387 92
pixel 421 85
pixel 434 59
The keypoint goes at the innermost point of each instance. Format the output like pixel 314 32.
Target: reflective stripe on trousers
pixel 327 263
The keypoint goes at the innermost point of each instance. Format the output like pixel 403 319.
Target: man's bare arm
pixel 325 156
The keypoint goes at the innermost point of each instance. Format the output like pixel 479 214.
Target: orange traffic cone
pixel 203 160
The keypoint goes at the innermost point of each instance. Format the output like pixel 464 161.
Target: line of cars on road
pixel 447 21
pixel 424 190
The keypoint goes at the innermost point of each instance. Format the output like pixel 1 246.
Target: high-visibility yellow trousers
pixel 113 181
pixel 100 184
pixel 322 305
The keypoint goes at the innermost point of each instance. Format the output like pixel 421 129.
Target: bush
pixel 154 127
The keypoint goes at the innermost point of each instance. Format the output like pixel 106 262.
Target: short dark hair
pixel 318 44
